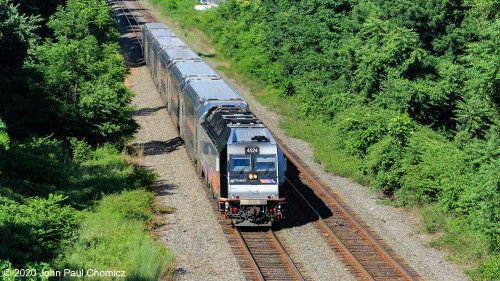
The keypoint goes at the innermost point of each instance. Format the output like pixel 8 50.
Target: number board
pixel 252 149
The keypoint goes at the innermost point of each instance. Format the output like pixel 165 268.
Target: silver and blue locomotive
pixel 232 149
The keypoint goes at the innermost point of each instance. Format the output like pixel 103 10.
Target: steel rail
pixel 251 258
pixel 287 256
pixel 124 9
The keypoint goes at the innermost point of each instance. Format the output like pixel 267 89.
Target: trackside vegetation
pixel 400 95
pixel 70 199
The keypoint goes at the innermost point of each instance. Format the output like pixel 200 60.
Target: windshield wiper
pixel 268 167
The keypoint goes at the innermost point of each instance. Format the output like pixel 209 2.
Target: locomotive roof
pixel 250 134
pixel 171 55
pixel 235 125
pixel 193 70
pixel 170 42
pixel 155 25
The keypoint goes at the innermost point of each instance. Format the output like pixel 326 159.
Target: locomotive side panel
pixel 210 160
pixel 249 166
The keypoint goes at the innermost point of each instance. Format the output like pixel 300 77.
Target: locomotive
pixel 232 149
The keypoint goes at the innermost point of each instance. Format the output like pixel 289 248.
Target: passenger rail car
pixel 235 153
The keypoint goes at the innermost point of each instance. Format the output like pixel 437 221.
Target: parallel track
pixel 133 23
pixel 135 15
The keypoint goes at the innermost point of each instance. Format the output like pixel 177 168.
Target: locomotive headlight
pixel 252 176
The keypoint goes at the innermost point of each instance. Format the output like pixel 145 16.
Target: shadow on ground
pixel 147 111
pixel 156 147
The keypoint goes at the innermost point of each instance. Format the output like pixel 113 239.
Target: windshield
pixel 245 163
pixel 264 163
pixel 240 163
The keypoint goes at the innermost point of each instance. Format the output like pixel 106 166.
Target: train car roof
pixel 169 42
pixel 171 55
pixel 155 25
pixel 193 70
pixel 211 90
pixel 162 33
pixel 205 94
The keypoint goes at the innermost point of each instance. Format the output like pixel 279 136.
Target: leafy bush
pixel 34 270
pixel 34 230
pixel 103 171
pixel 380 89
pixel 361 127
pixel 433 169
pixel 67 90
pixel 487 270
pixel 35 167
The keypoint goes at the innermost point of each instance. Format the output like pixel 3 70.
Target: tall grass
pixel 114 237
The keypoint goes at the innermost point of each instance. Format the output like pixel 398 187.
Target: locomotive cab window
pixel 264 163
pixel 240 163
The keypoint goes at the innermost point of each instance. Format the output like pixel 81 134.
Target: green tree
pixel 83 74
pixel 81 19
pixel 32 231
pixel 480 105
pixel 17 36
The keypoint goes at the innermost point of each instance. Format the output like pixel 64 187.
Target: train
pixel 232 149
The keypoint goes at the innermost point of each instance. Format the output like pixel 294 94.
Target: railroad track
pixel 268 257
pixel 261 255
pixel 359 247
pixel 259 252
